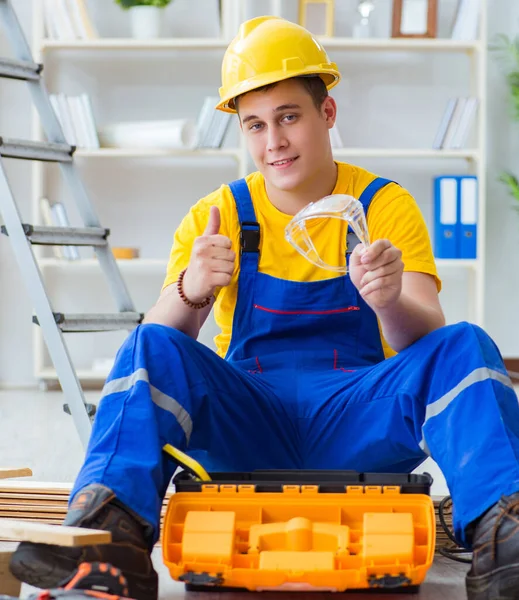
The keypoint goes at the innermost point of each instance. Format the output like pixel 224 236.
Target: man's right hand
pixel 212 261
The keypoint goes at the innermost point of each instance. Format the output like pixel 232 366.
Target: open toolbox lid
pixel 300 530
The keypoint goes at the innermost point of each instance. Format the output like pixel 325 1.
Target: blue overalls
pixel 305 385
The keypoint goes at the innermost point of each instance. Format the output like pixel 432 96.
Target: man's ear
pixel 329 111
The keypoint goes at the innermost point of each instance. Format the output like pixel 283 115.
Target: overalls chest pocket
pixel 315 315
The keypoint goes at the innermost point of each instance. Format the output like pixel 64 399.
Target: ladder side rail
pixel 42 306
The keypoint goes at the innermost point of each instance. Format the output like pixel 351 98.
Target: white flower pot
pixel 146 22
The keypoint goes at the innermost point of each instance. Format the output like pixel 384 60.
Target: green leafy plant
pixel 507 51
pixel 512 184
pixel 126 4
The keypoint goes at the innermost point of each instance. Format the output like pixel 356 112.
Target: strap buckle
pixel 250 236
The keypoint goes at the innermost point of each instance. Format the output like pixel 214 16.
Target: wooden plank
pixel 51 498
pixel 51 534
pixel 9 585
pixel 5 502
pixel 20 516
pixel 29 508
pixel 7 472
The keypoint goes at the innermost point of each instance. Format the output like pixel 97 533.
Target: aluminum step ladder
pixel 23 236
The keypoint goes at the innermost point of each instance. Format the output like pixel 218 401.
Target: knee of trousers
pixel 465 332
pixel 155 335
pixel 466 344
pixel 145 345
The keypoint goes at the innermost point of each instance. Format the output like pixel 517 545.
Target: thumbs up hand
pixel 212 261
pixel 213 224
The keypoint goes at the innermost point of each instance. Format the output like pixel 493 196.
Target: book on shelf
pixel 55 215
pixel 466 23
pixel 211 125
pixel 456 123
pixel 149 135
pixel 455 216
pixel 76 117
pixel 68 20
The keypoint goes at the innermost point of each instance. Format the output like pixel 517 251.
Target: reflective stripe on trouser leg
pixel 472 429
pixel 478 375
pixel 133 421
pixel 168 403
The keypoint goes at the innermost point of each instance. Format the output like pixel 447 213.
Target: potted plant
pixel 145 15
pixel 507 50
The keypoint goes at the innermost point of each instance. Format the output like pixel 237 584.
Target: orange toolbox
pixel 300 531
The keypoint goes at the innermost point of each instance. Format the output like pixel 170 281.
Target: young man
pixel 306 373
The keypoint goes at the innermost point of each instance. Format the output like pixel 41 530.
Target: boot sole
pixel 40 566
pixel 44 566
pixel 500 584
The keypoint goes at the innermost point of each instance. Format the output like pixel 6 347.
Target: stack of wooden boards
pixel 37 502
pixel 15 529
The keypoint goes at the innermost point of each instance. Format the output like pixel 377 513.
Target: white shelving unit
pixel 332 43
pixel 43 49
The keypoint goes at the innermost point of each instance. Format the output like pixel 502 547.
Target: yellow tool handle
pixel 187 463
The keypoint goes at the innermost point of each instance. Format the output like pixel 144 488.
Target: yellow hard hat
pixel 267 50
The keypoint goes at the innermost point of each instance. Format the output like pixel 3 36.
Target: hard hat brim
pixel 330 75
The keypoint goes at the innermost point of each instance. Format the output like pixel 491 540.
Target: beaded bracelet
pixel 185 299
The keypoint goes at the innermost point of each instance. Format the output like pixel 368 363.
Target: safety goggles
pixel 336 206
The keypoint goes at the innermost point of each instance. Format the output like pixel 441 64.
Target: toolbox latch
pixel 388 581
pixel 201 578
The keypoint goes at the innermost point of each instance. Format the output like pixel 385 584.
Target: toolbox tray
pixel 300 531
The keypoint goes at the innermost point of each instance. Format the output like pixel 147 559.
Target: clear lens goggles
pixel 336 206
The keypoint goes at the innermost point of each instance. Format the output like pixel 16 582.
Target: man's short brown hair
pixel 313 84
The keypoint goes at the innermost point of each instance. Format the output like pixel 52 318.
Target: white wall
pixel 395 99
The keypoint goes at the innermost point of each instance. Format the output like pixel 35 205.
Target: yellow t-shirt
pixel 393 214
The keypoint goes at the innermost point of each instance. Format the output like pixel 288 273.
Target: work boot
pixel 495 564
pixel 94 507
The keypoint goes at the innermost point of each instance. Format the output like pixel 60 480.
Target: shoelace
pixel 505 511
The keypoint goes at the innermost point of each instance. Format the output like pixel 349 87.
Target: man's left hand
pixel 376 271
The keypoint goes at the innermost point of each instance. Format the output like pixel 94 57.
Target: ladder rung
pixel 64 236
pixel 46 151
pixel 96 322
pixel 20 69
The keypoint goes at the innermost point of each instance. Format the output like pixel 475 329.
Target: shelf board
pixel 471 154
pixel 336 43
pixel 404 153
pixel 132 44
pixel 457 263
pixel 49 373
pixel 157 152
pixel 401 44
pixel 93 263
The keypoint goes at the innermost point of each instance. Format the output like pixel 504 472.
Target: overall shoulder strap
pixel 249 227
pixel 365 199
